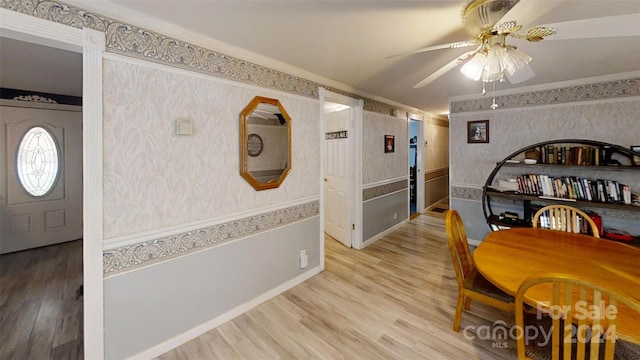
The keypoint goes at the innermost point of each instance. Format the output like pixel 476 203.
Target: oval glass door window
pixel 37 161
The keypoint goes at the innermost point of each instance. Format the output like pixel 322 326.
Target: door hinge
pixel 353 226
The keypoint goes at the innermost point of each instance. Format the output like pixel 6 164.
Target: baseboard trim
pixel 178 340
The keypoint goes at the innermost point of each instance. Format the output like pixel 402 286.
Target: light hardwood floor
pixel 393 300
pixel 40 308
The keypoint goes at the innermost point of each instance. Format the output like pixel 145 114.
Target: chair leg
pixel 467 303
pixel 458 316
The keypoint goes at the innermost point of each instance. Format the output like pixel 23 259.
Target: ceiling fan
pixel 493 59
pixel 491 22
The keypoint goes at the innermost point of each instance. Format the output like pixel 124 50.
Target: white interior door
pixel 43 205
pixel 338 169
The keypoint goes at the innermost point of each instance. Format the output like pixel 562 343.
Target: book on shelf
pixel 571 155
pixel 573 188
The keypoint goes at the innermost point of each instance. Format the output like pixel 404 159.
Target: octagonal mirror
pixel 265 143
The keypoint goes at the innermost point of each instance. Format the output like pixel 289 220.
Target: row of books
pixel 574 188
pixel 577 225
pixel 572 155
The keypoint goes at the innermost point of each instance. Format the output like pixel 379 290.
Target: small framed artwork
pixel 389 143
pixel 478 131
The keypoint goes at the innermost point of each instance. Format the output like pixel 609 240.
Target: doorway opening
pixel 42 200
pixel 413 166
pixel 416 166
pixel 90 44
pixel 340 167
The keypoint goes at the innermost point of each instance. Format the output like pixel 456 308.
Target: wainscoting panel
pixel 148 306
pixel 378 214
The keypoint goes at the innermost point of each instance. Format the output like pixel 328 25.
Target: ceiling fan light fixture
pixel 500 60
pixel 492 76
pixel 473 68
pixel 515 59
pixel 493 66
pixel 523 74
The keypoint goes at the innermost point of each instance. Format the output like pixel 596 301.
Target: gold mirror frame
pixel 273 177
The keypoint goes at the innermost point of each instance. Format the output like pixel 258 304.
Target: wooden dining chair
pixel 564 218
pixel 576 333
pixel 471 284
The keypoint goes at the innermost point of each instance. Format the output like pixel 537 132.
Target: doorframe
pixel 420 207
pixel 91 44
pixel 355 178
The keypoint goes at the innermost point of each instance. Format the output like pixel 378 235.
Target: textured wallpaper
pixel 155 179
pixel 376 164
pixel 609 121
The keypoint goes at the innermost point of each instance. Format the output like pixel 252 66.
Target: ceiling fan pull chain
pixel 494 105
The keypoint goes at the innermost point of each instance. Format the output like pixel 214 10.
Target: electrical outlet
pixel 304 259
pixel 395 216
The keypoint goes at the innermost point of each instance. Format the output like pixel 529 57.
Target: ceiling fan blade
pixel 526 12
pixel 453 45
pixel 455 62
pixel 609 26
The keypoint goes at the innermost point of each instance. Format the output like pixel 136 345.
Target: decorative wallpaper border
pixel 598 91
pixel 129 257
pixel 466 193
pixel 130 40
pixel 378 191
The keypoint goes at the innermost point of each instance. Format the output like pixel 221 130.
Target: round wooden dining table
pixel 507 257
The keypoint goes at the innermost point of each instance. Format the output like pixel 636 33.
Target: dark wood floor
pixel 40 306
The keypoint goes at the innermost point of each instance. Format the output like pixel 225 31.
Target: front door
pixel 42 175
pixel 337 214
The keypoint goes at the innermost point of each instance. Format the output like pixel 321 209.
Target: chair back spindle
pixel 565 218
pixel 583 314
pixel 471 284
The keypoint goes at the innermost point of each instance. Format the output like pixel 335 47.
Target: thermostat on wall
pixel 184 126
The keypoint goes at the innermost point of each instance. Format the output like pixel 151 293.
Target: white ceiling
pixel 347 44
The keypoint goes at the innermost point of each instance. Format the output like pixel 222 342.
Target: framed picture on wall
pixel 636 149
pixel 389 143
pixel 478 131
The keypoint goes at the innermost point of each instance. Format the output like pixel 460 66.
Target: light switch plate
pixel 184 126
